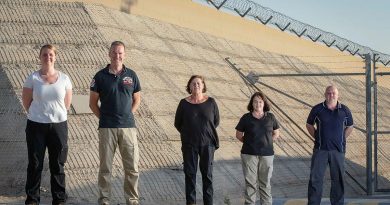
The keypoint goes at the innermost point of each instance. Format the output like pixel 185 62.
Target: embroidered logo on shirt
pixel 127 81
pixel 93 83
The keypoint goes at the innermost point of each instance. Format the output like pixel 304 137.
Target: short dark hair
pixel 117 43
pixel 267 105
pixel 48 46
pixel 188 89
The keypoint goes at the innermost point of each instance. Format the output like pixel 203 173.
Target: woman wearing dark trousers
pixel 46 96
pixel 197 118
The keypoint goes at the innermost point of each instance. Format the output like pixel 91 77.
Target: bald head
pixel 331 87
pixel 331 95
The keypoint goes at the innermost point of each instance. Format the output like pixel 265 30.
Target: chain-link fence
pixel 294 87
pixel 381 130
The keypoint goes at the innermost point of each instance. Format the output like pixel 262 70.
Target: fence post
pixel 367 58
pixel 375 86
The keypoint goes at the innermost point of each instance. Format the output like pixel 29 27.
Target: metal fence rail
pixel 267 16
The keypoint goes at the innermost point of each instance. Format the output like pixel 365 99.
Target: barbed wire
pixel 268 16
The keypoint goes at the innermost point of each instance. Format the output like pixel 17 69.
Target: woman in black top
pixel 197 118
pixel 257 130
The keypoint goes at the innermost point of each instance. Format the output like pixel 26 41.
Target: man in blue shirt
pixel 118 89
pixel 334 124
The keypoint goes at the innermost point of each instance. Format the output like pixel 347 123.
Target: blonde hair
pixel 48 46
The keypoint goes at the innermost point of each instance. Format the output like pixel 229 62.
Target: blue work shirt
pixel 116 97
pixel 331 125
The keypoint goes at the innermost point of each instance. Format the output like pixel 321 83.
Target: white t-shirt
pixel 48 104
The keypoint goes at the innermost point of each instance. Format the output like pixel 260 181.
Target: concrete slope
pixel 164 56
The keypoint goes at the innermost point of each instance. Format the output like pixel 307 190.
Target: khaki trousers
pixel 126 141
pixel 257 173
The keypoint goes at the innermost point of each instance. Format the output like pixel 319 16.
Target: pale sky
pixel 364 22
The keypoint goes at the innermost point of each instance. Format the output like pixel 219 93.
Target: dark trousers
pixel 319 162
pixel 206 158
pixel 54 136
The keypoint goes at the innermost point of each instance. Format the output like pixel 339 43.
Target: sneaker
pixel 104 201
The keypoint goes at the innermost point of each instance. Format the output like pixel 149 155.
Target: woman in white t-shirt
pixel 47 95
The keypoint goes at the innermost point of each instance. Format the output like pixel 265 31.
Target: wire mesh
pixel 295 95
pixel 382 141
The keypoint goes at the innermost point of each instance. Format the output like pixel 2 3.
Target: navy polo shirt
pixel 331 125
pixel 116 97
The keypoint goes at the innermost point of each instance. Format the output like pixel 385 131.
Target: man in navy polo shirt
pixel 334 124
pixel 118 90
